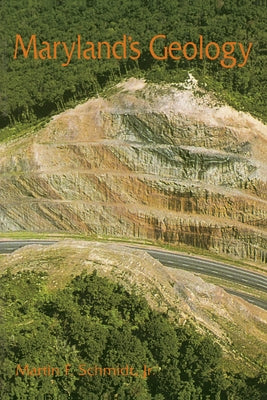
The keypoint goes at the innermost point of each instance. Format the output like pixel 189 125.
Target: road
pixel 208 267
pixel 219 270
pixel 189 263
pixel 8 246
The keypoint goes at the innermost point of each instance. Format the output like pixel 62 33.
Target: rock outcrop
pixel 163 162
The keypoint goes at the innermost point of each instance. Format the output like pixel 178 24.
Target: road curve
pixel 209 267
pixel 185 262
pixel 217 269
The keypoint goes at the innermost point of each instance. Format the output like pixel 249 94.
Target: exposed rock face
pixel 147 161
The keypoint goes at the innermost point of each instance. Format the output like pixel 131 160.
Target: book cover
pixel 133 200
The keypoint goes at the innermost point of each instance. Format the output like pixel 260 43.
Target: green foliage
pixel 94 324
pixel 33 89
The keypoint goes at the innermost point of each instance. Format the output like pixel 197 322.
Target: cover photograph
pixel 133 200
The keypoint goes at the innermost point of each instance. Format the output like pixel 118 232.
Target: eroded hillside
pixel 146 161
pixel 238 326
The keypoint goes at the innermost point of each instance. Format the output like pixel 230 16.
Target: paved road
pixel 194 264
pixel 219 270
pixel 250 299
pixel 8 246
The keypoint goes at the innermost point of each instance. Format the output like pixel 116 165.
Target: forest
pixel 95 323
pixel 32 89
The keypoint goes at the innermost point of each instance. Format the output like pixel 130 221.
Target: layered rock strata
pixel 147 161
